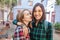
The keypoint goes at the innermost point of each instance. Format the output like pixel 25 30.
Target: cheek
pixel 27 17
pixel 40 14
pixel 34 14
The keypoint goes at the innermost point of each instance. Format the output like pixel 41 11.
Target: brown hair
pixel 43 10
pixel 20 16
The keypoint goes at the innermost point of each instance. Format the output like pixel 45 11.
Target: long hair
pixel 43 10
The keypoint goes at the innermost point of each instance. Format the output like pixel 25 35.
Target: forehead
pixel 38 8
pixel 26 12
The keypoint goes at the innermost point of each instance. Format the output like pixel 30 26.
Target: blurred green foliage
pixel 58 2
pixel 57 26
pixel 9 3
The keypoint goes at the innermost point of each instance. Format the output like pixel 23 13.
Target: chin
pixel 37 18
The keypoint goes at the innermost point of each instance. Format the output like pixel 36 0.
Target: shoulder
pixel 49 23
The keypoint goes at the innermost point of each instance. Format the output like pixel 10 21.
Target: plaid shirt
pixel 39 33
pixel 18 35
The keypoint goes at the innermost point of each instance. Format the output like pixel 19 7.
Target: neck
pixel 26 23
pixel 37 22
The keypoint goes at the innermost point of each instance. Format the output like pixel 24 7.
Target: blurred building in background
pixel 50 9
pixel 57 15
pixel 4 13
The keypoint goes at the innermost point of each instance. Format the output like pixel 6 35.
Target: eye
pixel 39 10
pixel 35 11
pixel 28 14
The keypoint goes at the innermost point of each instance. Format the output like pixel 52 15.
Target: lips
pixel 36 15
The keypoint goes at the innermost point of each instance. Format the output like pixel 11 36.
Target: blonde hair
pixel 20 16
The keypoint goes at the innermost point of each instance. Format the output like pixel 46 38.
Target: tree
pixel 1 3
pixel 9 3
pixel 58 2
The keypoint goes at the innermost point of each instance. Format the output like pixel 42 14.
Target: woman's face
pixel 27 16
pixel 38 13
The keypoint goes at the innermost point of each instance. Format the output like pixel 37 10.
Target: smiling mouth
pixel 36 15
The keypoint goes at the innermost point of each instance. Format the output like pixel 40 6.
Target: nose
pixel 36 13
pixel 31 16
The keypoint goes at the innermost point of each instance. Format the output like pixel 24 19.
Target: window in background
pixel 30 2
